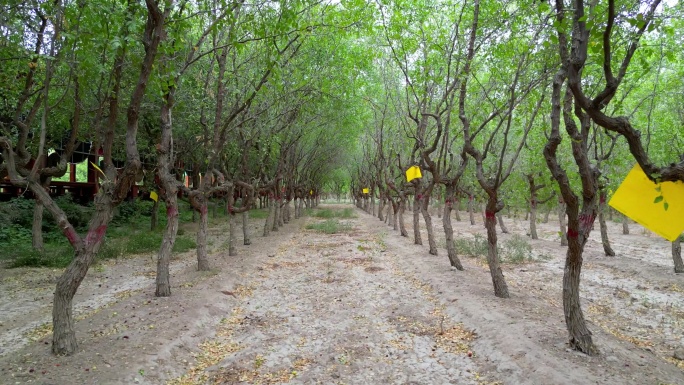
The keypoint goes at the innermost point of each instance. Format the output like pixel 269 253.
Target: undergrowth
pixel 514 250
pixel 330 226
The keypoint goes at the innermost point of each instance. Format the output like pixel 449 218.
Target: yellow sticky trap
pixel 657 207
pixel 366 191
pixel 154 196
pixel 310 192
pixel 413 173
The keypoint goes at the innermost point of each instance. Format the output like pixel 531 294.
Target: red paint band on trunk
pixel 419 197
pixel 203 210
pixel 572 233
pixel 95 236
pixel 71 235
pixel 489 214
pixel 171 211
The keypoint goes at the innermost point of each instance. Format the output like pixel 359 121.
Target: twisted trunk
pixel 625 225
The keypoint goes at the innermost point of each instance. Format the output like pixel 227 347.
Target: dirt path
pixel 362 307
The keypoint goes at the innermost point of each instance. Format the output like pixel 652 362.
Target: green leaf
pixel 666 206
pixel 658 199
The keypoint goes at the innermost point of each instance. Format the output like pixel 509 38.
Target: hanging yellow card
pixel 154 196
pixel 658 207
pixel 366 191
pixel 412 173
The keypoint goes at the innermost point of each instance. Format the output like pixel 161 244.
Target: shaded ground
pixel 365 306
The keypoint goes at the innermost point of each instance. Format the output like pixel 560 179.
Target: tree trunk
pixel 580 336
pixel 402 226
pixel 677 255
pixel 153 215
pixel 269 224
pixel 37 226
pixel 546 216
pixel 417 239
pixel 500 287
pixel 604 228
pixel 281 216
pixel 428 222
pixel 471 210
pixel 533 221
pixel 166 248
pixel 381 205
pixel 202 257
pixel 449 235
pixel 64 336
pixel 625 225
pixel 563 226
pixel 456 214
pixel 245 228
pixel 232 239
pixel 499 218
pixel 276 215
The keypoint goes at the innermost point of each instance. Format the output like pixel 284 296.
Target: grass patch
pixel 258 213
pixel 330 213
pixel 330 226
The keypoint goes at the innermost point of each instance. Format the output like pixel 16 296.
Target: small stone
pixel 271 255
pixel 679 354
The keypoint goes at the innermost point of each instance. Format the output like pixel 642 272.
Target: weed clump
pixel 330 226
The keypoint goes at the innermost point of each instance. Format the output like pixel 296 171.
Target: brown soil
pixel 363 307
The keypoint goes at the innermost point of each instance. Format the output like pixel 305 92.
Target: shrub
pixel 517 250
pixel 473 247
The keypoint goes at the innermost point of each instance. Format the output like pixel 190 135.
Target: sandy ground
pixel 363 307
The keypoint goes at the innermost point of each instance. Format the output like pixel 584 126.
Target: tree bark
pixel 202 256
pixel 153 215
pixel 402 225
pixel 499 218
pixel 580 336
pixel 533 221
pixel 471 210
pixel 677 255
pixel 165 250
pixel 500 286
pixel 232 240
pixel 269 224
pixel 245 228
pixel 563 226
pixel 428 222
pixel 417 238
pixel 276 214
pixel 604 228
pixel 37 226
pixel 625 225
pixel 449 234
pixel 64 336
